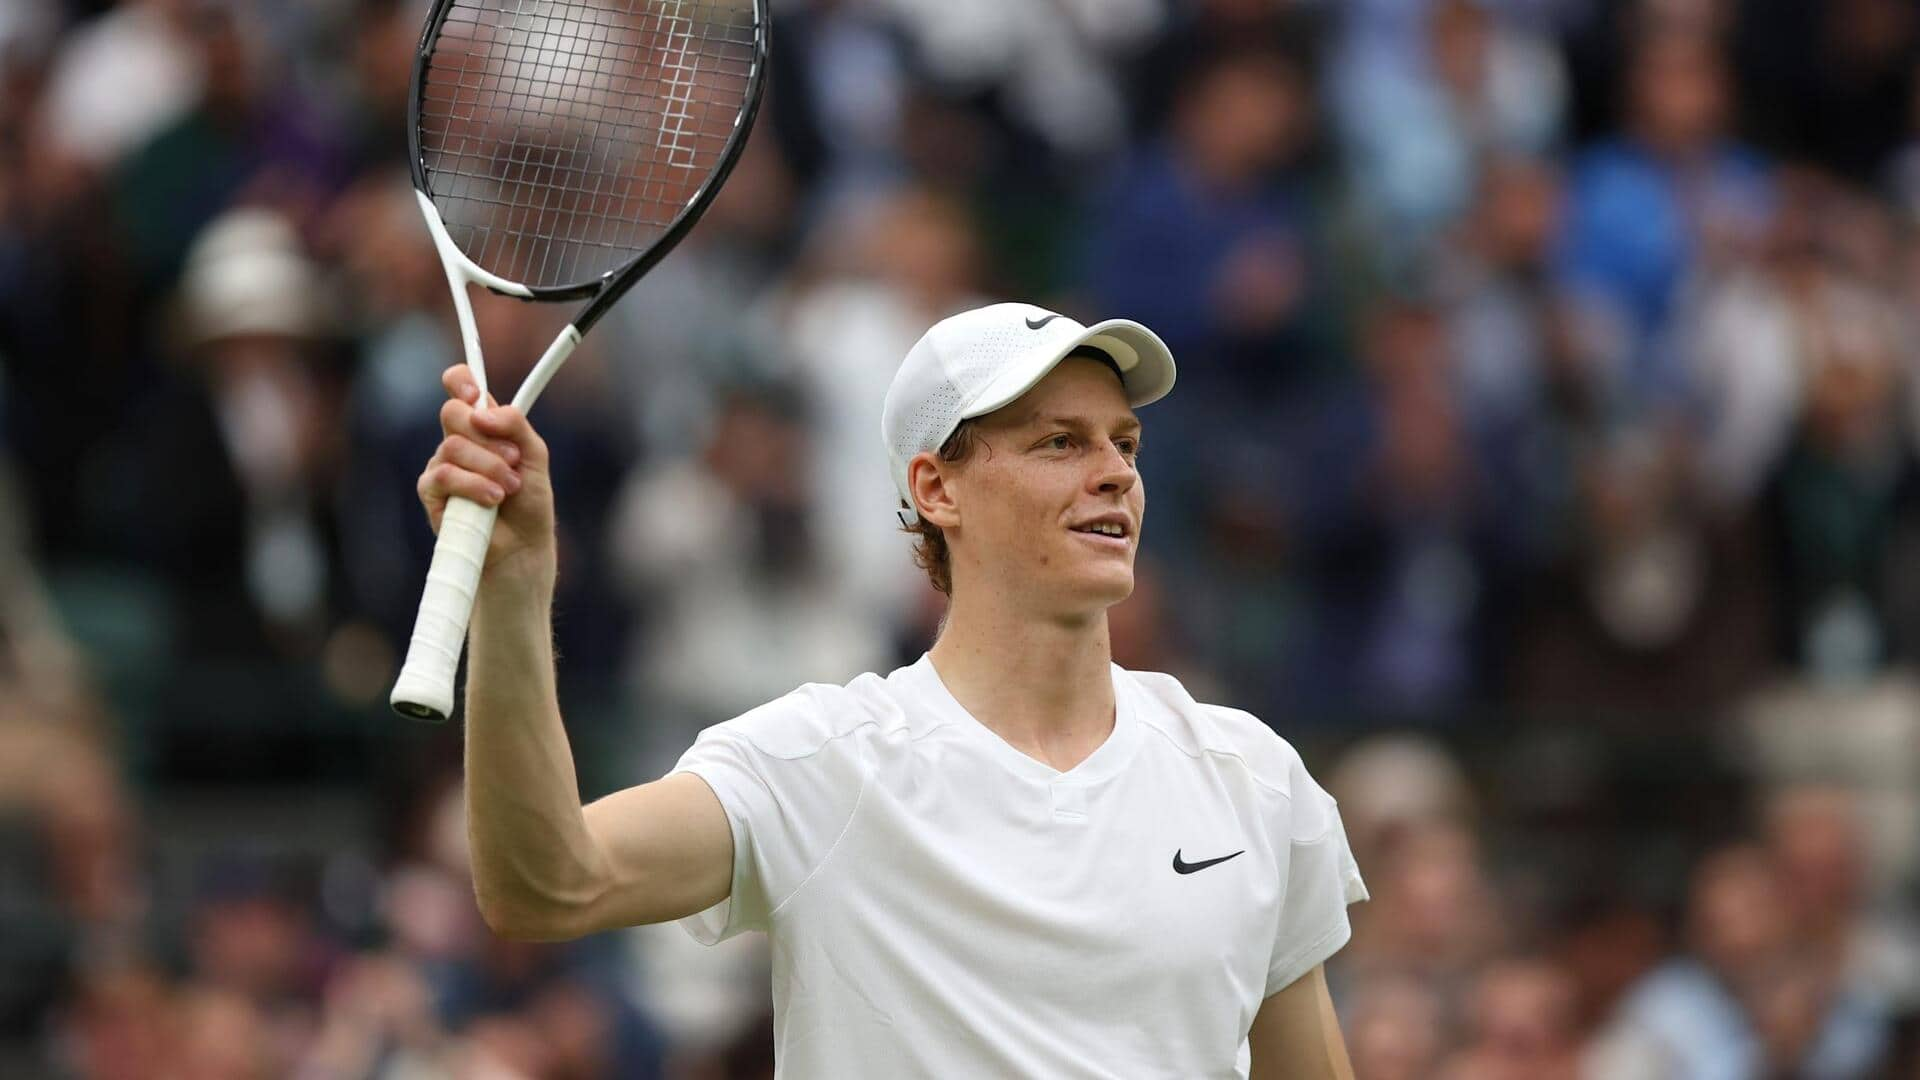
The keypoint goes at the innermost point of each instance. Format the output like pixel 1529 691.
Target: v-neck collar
pixel 1106 759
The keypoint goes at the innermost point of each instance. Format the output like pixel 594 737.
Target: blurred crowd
pixel 1543 465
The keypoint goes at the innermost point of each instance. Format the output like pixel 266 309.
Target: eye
pixel 1062 441
pixel 1128 447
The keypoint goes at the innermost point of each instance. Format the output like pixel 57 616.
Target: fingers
pixel 495 423
pixel 504 423
pixel 483 451
pixel 463 394
pixel 491 460
pixel 460 384
pixel 443 480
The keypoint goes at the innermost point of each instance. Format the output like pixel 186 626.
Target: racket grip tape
pixel 424 690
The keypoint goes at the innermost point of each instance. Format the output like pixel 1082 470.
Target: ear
pixel 927 480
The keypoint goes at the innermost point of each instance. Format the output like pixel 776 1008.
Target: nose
pixel 1113 473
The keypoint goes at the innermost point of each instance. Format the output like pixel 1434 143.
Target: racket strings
pixel 562 138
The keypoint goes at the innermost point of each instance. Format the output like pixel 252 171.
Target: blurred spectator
pixel 1389 784
pixel 373 113
pixel 250 934
pixel 1530 367
pixel 1521 1024
pixel 1815 835
pixel 1741 1003
pixel 720 548
pixel 1421 108
pixel 221 1035
pixel 1435 916
pixel 249 137
pixel 1197 31
pixel 1394 1027
pixel 1204 234
pixel 840 112
pixel 1670 198
pixel 239 453
pixel 70 851
pixel 1605 948
pixel 1863 736
pixel 1834 502
pixel 909 260
pixel 1652 616
pixel 1400 527
pixel 76 352
pixel 1747 336
pixel 1047 65
pixel 378 1020
pixel 1806 359
pixel 124 76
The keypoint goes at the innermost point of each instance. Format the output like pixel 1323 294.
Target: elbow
pixel 533 930
pixel 532 921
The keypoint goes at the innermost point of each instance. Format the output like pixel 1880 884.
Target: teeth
pixel 1107 529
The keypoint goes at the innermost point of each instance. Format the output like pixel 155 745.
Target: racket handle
pixel 425 688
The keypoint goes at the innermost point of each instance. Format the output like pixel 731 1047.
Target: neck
pixel 1042 684
pixel 1680 153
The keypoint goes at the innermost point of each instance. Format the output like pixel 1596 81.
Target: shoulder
pixel 812 718
pixel 1262 773
pixel 1227 735
pixel 818 717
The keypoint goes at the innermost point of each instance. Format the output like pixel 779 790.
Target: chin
pixel 1110 588
pixel 1077 587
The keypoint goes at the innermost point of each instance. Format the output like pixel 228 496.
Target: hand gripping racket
pixel 560 148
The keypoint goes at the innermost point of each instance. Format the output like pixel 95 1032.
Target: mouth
pixel 1110 533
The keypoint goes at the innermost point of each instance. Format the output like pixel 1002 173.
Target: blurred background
pixel 1543 466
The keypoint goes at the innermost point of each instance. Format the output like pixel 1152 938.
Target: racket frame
pixel 425 687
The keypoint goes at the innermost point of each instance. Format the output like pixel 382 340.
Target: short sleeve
pixel 1321 880
pixel 789 787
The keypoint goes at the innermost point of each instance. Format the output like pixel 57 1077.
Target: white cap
pixel 970 364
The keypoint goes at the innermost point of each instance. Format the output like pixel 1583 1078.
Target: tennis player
pixel 1010 859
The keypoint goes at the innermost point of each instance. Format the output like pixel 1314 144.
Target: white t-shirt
pixel 940 904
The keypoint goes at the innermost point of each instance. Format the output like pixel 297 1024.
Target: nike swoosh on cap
pixel 1035 324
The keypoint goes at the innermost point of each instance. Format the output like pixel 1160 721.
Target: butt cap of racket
pixel 433 712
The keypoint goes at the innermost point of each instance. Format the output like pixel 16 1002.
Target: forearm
pixel 534 861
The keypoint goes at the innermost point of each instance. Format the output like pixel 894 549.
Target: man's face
pixel 1678 83
pixel 1053 469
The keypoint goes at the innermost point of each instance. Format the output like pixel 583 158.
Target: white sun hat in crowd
pixel 248 273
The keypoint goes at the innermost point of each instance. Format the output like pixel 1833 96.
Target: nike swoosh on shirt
pixel 1180 867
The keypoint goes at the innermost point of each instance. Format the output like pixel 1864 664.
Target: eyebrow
pixel 1077 423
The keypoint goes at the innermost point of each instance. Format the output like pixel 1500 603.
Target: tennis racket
pixel 560 148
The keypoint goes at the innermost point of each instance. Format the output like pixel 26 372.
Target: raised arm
pixel 544 867
pixel 1296 1036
